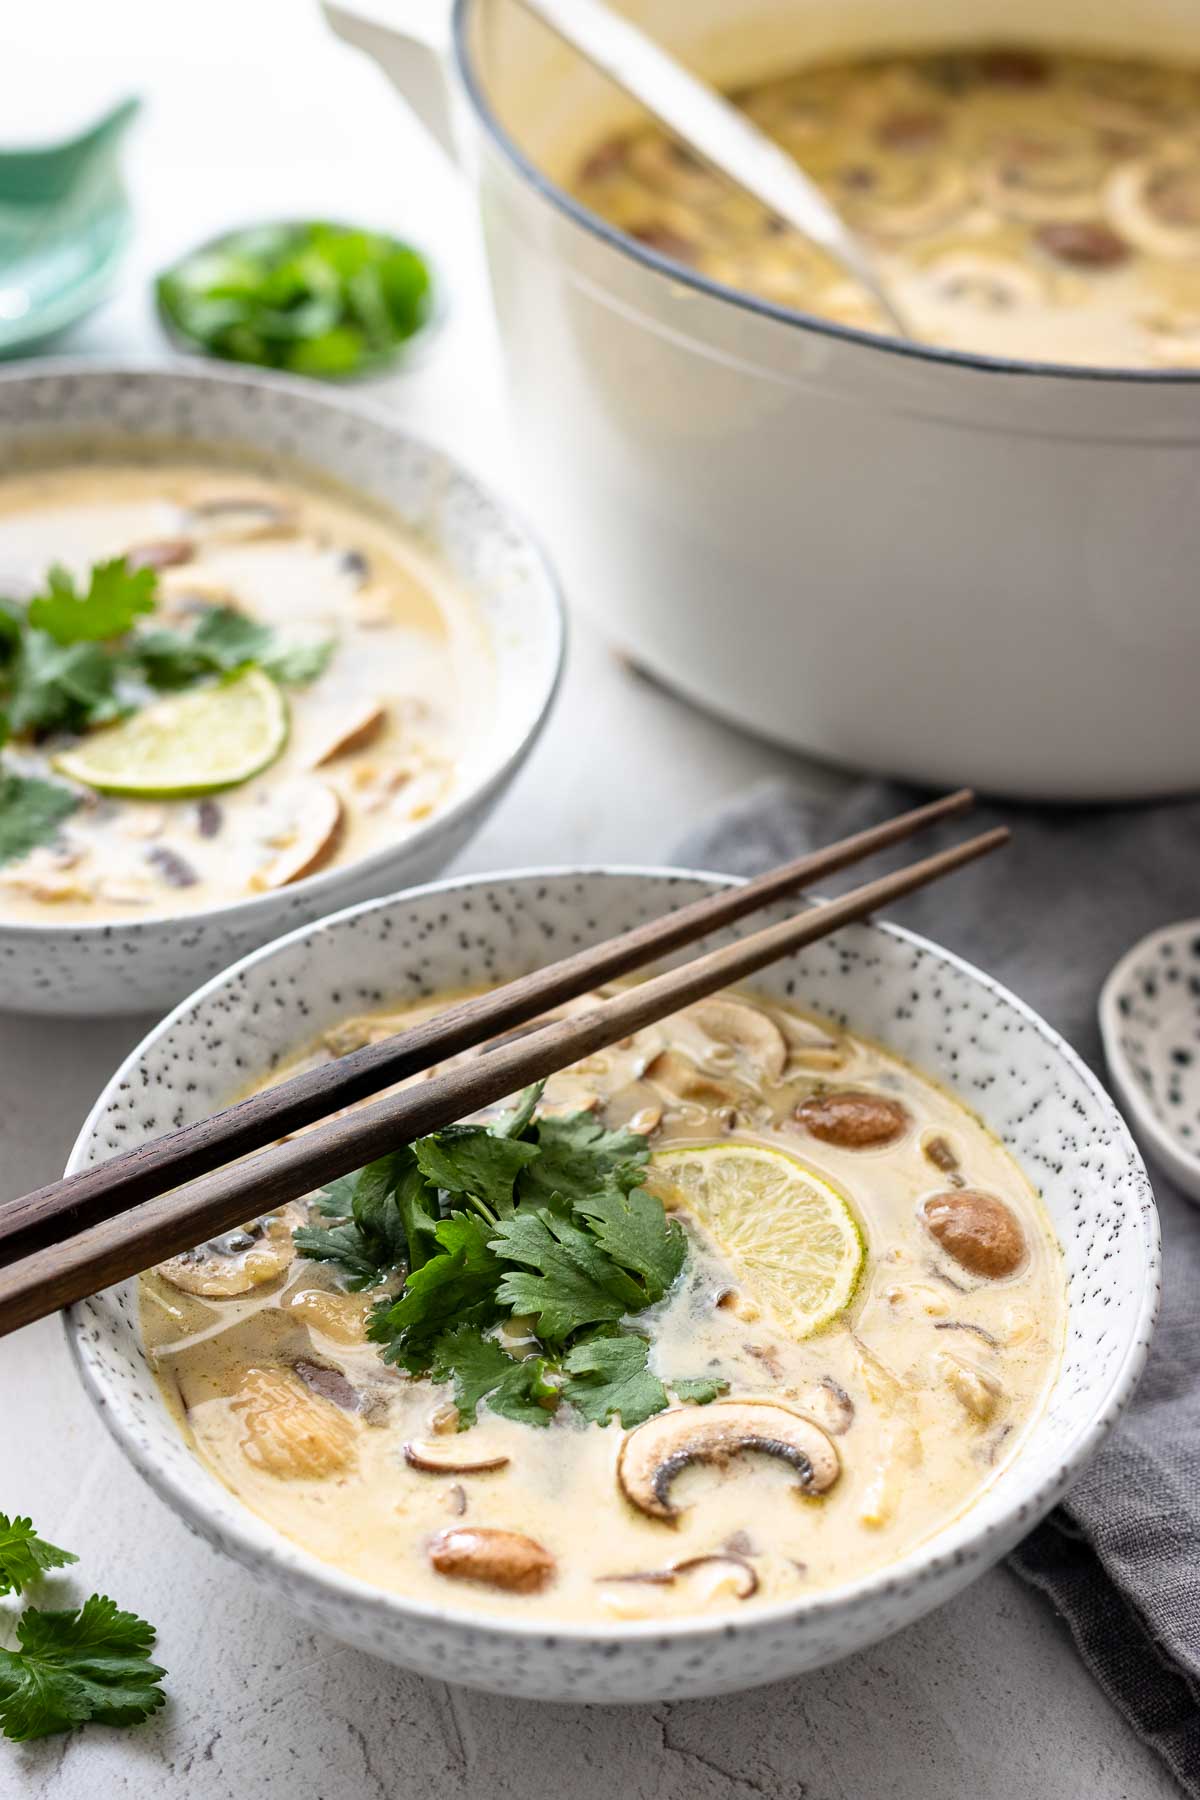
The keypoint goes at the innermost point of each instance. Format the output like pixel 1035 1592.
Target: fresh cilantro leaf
pixel 567 1281
pixel 470 1161
pixel 456 1287
pixel 224 640
pixel 72 1666
pixel 374 1240
pixel 700 1389
pixel 481 1370
pixel 608 1377
pixel 293 665
pixel 61 687
pixel 516 1123
pixel 31 811
pixel 12 618
pixel 336 1198
pixel 636 1232
pixel 579 1157
pixel 24 1555
pixel 115 596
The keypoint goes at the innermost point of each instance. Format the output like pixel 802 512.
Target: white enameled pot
pixel 949 567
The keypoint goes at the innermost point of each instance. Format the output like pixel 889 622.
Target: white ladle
pixel 713 129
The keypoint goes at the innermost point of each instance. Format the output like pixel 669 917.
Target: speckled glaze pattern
pixel 141 964
pixel 923 1003
pixel 1150 1022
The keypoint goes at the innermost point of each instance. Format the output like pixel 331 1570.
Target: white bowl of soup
pixel 963 558
pixel 894 1269
pixel 261 655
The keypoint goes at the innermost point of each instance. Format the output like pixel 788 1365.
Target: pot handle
pixel 410 40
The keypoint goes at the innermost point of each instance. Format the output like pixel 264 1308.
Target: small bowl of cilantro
pixel 309 297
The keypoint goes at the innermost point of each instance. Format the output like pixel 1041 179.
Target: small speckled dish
pixel 949 1019
pixel 1150 1023
pixel 147 963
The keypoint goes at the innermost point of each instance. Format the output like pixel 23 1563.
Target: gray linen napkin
pixel 1120 1560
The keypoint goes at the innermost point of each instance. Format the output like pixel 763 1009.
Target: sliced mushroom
pixel 1084 243
pixel 1043 176
pixel 167 553
pixel 502 1559
pixel 654 1453
pixel 993 1343
pixel 175 869
pixel 941 1153
pixel 678 1076
pixel 902 197
pixel 239 1261
pixel 829 1405
pixel 360 726
pixel 318 823
pixel 329 1383
pixel 1155 203
pixel 440 1459
pixel 731 1562
pixel 854 1119
pixel 983 281
pixel 746 1030
pixel 240 518
pixel 209 818
pixel 978 1394
pixel 978 1231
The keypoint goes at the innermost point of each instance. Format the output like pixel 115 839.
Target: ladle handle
pixel 714 129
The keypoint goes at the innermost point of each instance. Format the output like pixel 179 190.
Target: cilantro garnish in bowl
pixel 310 297
pixel 540 1218
pixel 77 657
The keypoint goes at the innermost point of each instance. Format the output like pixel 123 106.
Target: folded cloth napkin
pixel 1049 916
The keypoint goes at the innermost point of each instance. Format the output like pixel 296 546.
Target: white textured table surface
pixel 253 111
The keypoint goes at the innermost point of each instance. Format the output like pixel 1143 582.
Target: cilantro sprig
pixel 72 1664
pixel 24 1555
pixel 542 1219
pixel 77 657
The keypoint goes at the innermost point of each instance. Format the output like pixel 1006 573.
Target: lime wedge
pixel 788 1235
pixel 194 743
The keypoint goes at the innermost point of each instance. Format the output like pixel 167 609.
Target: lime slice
pixel 194 743
pixel 788 1234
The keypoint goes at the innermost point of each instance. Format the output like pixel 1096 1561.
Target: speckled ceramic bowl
pixel 922 1002
pixel 142 964
pixel 1150 1022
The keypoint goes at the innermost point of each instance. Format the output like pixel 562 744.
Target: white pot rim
pixel 678 274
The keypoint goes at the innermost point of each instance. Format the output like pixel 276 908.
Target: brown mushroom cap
pixel 503 1559
pixel 978 1231
pixel 854 1119
pixel 654 1453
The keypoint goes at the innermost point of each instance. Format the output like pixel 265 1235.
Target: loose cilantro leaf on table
pixel 115 596
pixel 24 1555
pixel 481 1370
pixel 608 1377
pixel 72 1666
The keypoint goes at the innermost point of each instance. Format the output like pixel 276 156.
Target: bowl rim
pixel 1177 1157
pixel 680 275
pixel 254 1542
pixel 202 372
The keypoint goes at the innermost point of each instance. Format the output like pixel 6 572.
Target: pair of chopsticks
pixel 89 1230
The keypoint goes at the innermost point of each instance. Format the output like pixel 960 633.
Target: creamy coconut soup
pixel 217 681
pixel 1018 203
pixel 772 1309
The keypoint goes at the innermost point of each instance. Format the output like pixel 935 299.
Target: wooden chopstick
pixel 45 1215
pixel 170 1223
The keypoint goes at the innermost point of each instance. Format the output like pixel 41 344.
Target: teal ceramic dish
pixel 65 222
